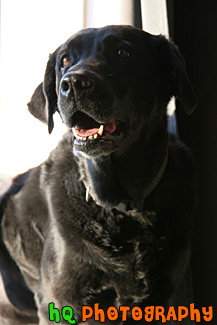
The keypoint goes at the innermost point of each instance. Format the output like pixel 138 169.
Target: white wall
pixel 31 29
pixel 154 16
pixel 99 13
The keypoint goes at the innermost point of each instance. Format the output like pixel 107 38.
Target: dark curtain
pixel 137 18
pixel 193 27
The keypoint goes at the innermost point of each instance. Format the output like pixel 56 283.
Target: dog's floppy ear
pixel 174 75
pixel 43 103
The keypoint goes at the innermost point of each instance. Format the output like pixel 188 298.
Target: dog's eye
pixel 65 61
pixel 123 53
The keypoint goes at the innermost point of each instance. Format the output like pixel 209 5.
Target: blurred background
pixel 31 29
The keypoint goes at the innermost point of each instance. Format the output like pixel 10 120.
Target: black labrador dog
pixel 107 217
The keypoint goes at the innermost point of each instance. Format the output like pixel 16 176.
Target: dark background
pixel 193 27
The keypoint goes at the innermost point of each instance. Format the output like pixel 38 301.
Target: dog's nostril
pixel 65 87
pixel 81 85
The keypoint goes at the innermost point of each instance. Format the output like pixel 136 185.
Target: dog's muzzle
pixel 95 130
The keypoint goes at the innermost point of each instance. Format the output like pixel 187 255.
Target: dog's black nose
pixel 76 85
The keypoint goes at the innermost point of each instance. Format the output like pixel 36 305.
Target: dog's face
pixel 108 84
pixel 101 77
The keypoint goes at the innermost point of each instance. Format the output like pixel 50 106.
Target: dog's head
pixel 108 84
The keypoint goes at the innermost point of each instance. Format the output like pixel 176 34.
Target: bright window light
pixel 30 31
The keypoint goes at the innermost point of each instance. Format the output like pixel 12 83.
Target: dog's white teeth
pixel 91 137
pixel 74 132
pixel 76 135
pixel 100 132
pixel 83 84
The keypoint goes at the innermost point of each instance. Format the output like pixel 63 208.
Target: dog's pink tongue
pixel 88 132
pixel 109 127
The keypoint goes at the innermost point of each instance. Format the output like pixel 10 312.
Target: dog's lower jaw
pixel 112 186
pixel 100 181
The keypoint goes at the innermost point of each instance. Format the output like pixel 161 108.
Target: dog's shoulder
pixel 21 297
pixel 28 197
pixel 16 185
pixel 60 172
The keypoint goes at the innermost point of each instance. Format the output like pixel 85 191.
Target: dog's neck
pixel 130 176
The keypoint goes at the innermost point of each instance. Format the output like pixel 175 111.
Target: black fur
pixel 130 244
pixel 17 291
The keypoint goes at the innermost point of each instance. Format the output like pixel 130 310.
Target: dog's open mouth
pixel 85 128
pixel 93 138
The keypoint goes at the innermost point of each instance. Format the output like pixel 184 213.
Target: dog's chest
pixel 125 239
pixel 115 247
pixel 118 243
